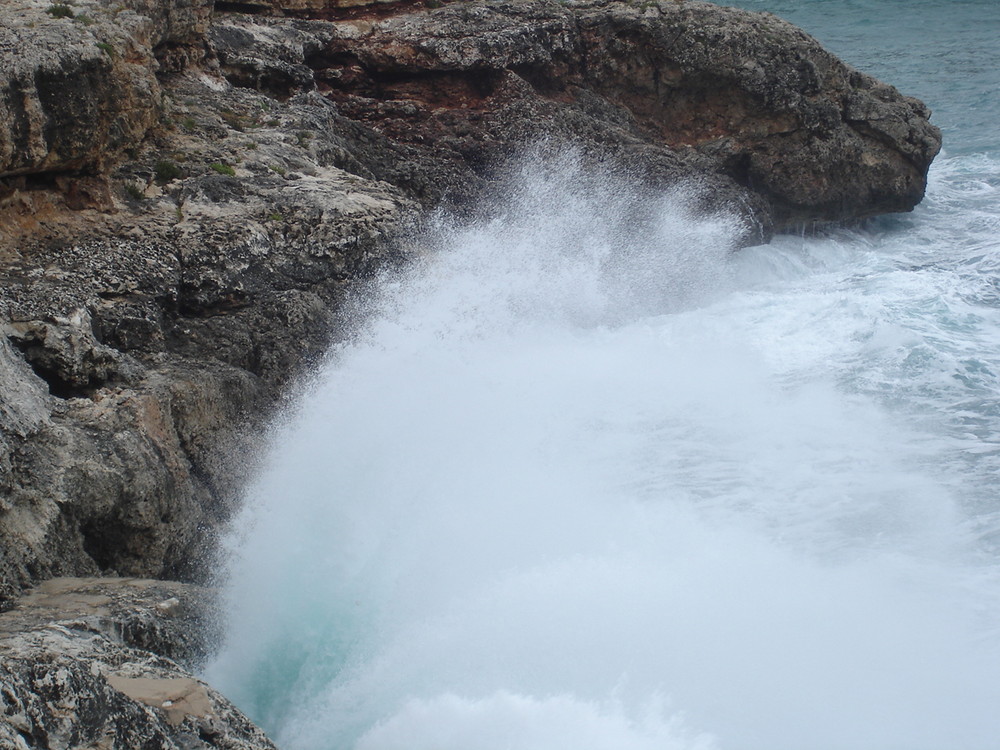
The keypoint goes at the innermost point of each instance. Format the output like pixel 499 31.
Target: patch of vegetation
pixel 60 10
pixel 275 216
pixel 189 124
pixel 278 169
pixel 303 137
pixel 85 20
pixel 252 145
pixel 166 171
pixel 106 48
pixel 233 120
pixel 223 169
pixel 134 192
pixel 273 123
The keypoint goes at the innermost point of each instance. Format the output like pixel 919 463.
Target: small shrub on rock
pixel 59 10
pixel 223 169
pixel 166 171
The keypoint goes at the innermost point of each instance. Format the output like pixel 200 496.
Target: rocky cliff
pixel 187 192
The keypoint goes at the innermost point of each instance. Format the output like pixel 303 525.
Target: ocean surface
pixel 577 484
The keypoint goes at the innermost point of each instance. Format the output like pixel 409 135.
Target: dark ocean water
pixel 571 489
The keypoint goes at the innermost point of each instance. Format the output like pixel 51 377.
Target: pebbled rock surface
pixel 104 663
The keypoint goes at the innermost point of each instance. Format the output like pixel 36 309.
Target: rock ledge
pixel 103 663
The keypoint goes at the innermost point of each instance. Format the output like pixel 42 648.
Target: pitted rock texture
pixel 77 87
pixel 145 349
pixel 104 663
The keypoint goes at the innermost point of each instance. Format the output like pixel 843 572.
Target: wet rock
pixel 105 663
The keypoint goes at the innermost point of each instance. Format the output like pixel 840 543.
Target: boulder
pixel 821 141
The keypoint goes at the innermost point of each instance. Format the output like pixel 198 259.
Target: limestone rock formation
pixel 104 663
pixel 145 338
pixel 78 85
pixel 674 89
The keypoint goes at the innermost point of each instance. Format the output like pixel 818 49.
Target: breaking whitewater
pixel 588 477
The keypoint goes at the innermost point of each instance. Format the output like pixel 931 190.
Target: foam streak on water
pixel 588 479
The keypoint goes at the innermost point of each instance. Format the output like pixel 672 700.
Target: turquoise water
pixel 577 486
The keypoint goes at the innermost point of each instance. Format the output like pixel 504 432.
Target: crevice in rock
pixel 190 305
pixel 454 90
pixel 543 82
pixel 59 386
pixel 371 11
pixel 79 189
pixel 100 537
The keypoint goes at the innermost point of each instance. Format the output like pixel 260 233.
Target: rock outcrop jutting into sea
pixel 187 192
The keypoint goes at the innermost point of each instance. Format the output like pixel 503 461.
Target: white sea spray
pixel 588 478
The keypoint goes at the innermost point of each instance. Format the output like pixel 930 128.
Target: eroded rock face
pixel 146 348
pixel 675 89
pixel 77 88
pixel 822 141
pixel 145 338
pixel 104 663
pixel 438 102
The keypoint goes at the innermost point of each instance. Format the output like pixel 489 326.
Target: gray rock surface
pixel 146 347
pixel 104 663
